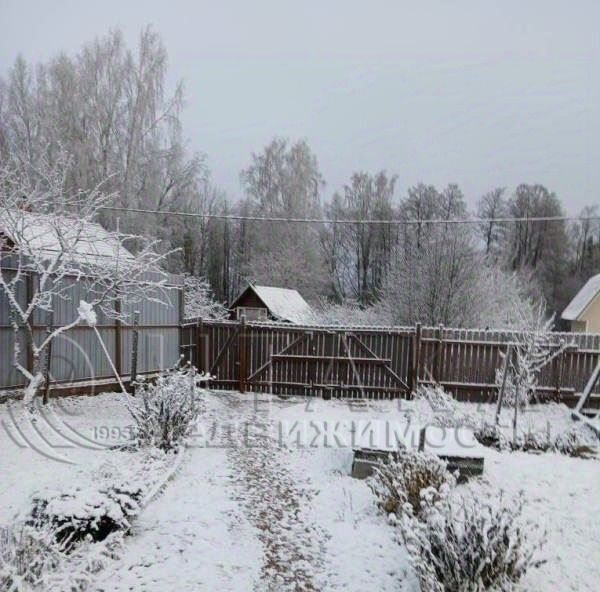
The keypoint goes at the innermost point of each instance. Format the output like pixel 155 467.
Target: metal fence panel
pixel 77 353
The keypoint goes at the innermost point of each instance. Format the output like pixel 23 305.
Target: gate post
pixel 557 369
pixel 199 345
pixel 134 351
pixel 439 351
pixel 242 367
pixel 416 359
pixel 118 349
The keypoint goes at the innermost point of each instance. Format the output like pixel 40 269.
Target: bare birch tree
pixel 284 180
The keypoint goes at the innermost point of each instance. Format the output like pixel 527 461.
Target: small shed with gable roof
pixel 263 303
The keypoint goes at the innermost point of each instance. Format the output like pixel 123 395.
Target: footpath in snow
pixel 247 514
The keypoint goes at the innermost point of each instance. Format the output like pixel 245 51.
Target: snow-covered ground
pixel 67 446
pixel 246 513
pixel 264 499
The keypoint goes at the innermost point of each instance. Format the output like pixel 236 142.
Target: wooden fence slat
pixel 333 359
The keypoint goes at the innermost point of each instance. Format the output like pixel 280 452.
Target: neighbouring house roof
pixel 283 303
pixel 88 243
pixel 582 299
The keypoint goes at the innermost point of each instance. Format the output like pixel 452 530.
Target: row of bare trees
pixel 108 108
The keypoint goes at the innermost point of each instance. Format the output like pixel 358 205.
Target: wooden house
pixel 583 312
pixel 264 303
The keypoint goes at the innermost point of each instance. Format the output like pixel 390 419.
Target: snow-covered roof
pixel 87 242
pixel 582 299
pixel 283 303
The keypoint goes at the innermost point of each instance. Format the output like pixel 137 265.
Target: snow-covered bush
pixel 348 313
pixel 476 545
pixel 579 441
pixel 86 514
pixel 165 411
pixel 490 435
pixel 79 569
pixel 438 399
pixel 26 554
pixel 32 559
pixel 445 410
pixel 407 478
pixel 532 441
pixel 199 301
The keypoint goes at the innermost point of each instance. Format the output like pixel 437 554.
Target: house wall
pixel 248 299
pixel 591 317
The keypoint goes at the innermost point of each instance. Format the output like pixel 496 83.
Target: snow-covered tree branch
pixel 200 302
pixel 49 243
pixel 533 350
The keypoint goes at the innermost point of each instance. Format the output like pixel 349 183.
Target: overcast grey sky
pixel 478 93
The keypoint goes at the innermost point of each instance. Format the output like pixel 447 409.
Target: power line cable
pixel 399 222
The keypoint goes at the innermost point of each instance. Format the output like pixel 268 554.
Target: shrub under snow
pixel 407 478
pixel 474 546
pixel 32 559
pixel 446 411
pixel 490 435
pixel 26 554
pixel 199 300
pixel 580 441
pixel 165 411
pixel 86 514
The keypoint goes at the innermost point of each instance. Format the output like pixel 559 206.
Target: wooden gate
pixel 355 363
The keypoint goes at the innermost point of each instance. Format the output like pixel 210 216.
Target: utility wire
pixel 398 222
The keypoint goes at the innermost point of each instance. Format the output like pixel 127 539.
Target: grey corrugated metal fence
pixel 77 355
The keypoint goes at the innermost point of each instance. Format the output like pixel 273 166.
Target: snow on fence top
pixel 582 299
pixel 82 241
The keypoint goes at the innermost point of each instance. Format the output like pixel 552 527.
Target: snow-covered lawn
pixel 264 499
pixel 67 446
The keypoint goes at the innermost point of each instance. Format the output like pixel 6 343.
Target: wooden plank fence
pixel 374 362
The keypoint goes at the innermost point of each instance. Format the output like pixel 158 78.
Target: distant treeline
pixel 108 108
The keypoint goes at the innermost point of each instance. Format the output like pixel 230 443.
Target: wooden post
pixel 422 438
pixel 416 359
pixel 516 415
pixel 199 345
pixel 181 304
pixel 438 354
pixel 507 357
pixel 557 369
pixel 134 351
pixel 48 358
pixel 118 361
pixel 242 367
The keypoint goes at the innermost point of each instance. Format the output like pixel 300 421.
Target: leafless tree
pixel 49 242
pixel 283 180
pixel 360 254
pixel 108 108
pixel 492 205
